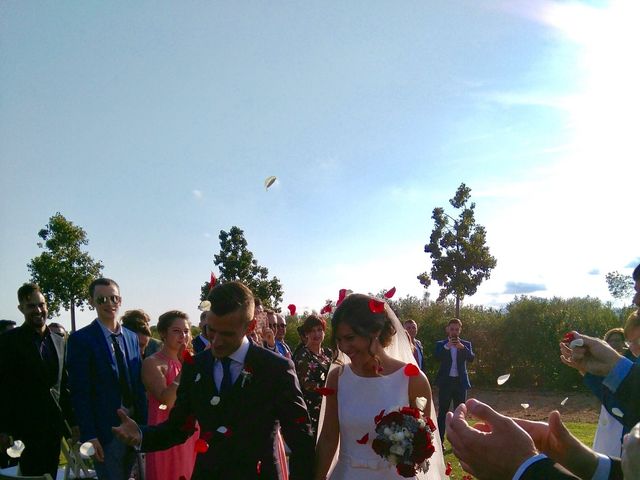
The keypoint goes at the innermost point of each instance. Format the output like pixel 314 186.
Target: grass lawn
pixel 584 431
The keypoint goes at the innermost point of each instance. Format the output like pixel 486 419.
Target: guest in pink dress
pixel 161 377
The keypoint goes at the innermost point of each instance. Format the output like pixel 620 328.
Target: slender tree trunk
pixel 457 306
pixel 73 316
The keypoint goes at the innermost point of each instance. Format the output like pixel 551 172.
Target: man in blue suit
pixel 104 365
pixel 452 380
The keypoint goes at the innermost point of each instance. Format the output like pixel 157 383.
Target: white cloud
pixel 197 194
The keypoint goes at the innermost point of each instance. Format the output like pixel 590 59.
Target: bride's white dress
pixel 360 399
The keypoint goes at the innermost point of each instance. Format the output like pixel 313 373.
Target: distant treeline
pixel 520 339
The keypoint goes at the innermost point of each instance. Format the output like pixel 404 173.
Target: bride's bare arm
pixel 419 387
pixel 328 440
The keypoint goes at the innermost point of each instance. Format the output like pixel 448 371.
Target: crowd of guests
pixel 113 385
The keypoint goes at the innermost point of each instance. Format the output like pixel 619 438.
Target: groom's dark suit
pixel 269 391
pixel 32 385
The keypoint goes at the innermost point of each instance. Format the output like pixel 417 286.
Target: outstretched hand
pixel 493 452
pixel 554 440
pixel 595 356
pixel 631 453
pixel 128 431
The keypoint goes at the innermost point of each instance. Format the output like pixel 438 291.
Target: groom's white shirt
pixel 236 366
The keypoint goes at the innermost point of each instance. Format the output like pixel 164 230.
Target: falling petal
pixel 421 403
pixel 259 467
pixel 502 379
pixel 15 450
pixel 212 281
pixel 563 402
pixel 162 406
pixel 578 342
pixel 524 405
pixel 617 412
pixel 364 439
pixel 204 306
pixel 410 370
pixel 390 293
pixel 222 430
pixel 269 181
pixel 201 446
pixel 376 306
pixel 378 417
pixel 215 400
pixel 292 309
pixel 198 377
pixel 87 450
pixel 341 296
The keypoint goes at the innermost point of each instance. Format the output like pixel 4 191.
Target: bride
pixel 369 377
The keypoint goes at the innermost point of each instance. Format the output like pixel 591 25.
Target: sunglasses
pixel 115 299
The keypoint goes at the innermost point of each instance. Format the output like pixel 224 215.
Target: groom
pixel 236 392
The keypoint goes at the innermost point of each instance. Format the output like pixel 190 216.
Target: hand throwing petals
pixel 410 370
pixel 325 391
pixel 364 439
pixel 502 379
pixel 390 293
pixel 376 306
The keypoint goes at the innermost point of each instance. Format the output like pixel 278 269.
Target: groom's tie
pixel 225 385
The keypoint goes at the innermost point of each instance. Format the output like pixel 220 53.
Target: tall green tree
pixel 236 262
pixel 620 286
pixel 63 270
pixel 460 258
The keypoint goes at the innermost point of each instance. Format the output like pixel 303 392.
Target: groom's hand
pixel 594 356
pixel 128 431
pixel 494 453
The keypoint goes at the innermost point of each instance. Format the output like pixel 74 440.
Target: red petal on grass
pixel 379 417
pixel 292 309
pixel 410 370
pixel 376 306
pixel 325 391
pixel 390 293
pixel 447 472
pixel 187 357
pixel 201 446
pixel 364 439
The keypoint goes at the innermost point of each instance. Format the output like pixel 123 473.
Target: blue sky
pixel 153 126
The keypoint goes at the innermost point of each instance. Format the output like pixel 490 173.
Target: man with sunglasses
pixel 104 375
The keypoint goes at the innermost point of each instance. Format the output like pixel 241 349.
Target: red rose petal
pixel 326 309
pixel 410 370
pixel 432 426
pixel 390 293
pixel 568 337
pixel 212 281
pixel 259 467
pixel 201 446
pixel 187 357
pixel 379 417
pixel 376 306
pixel 325 391
pixel 228 433
pixel 364 439
pixel 292 309
pixel 341 296
pixel 447 472
pixel 301 420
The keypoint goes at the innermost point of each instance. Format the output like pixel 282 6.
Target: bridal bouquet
pixel 404 439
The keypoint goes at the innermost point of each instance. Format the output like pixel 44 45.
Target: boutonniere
pixel 246 373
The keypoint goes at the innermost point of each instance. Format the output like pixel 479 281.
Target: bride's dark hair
pixel 355 312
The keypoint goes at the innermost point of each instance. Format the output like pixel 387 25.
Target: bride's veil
pixel 401 349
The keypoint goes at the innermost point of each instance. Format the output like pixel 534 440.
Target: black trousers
pixel 450 390
pixel 41 454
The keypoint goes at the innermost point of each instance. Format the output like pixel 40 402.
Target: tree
pixel 460 259
pixel 63 270
pixel 235 262
pixel 620 286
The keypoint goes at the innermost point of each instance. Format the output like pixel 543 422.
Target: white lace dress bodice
pixel 360 399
